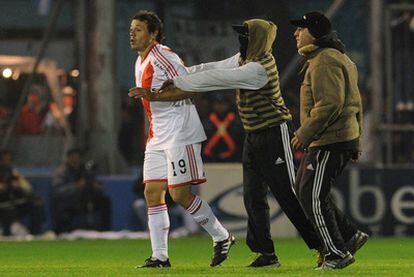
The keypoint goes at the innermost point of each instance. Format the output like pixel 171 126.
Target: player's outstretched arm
pixel 171 93
pixel 168 93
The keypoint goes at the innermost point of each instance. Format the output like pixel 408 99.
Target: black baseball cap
pixel 317 23
pixel 241 29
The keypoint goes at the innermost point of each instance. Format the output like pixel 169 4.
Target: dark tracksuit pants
pixel 268 163
pixel 317 173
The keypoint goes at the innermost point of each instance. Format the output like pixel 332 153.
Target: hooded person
pixel 267 157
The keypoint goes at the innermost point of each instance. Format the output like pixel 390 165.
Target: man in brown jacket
pixel 331 121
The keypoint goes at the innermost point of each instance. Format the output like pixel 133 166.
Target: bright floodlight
pixel 7 73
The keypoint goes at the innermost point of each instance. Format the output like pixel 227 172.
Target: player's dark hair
pixel 154 23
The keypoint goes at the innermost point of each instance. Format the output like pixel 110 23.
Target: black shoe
pixel 265 261
pixel 153 262
pixel 221 250
pixel 335 262
pixel 357 241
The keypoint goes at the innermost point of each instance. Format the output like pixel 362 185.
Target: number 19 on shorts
pixel 178 167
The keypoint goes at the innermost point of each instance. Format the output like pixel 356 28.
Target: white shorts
pixel 177 166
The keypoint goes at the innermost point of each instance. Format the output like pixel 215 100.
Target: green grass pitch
pixel 191 257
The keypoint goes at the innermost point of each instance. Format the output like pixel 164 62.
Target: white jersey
pixel 172 123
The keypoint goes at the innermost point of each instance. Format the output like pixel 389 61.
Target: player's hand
pixel 166 84
pixel 138 92
pixel 296 144
pixel 355 156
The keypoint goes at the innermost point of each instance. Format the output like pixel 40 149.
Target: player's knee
pixel 153 195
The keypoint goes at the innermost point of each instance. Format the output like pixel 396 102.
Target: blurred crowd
pixel 77 201
pixel 41 115
pixel 17 200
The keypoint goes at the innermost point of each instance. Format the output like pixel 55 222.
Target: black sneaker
pixel 335 262
pixel 221 250
pixel 357 241
pixel 153 262
pixel 265 261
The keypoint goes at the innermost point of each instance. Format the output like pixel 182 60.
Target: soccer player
pixel 173 151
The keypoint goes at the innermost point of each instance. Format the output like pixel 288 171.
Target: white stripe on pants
pixel 316 205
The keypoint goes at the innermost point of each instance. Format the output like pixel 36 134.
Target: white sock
pixel 203 215
pixel 159 226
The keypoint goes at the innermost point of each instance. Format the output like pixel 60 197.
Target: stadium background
pixel 377 193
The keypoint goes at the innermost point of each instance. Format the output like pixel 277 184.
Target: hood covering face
pixel 262 34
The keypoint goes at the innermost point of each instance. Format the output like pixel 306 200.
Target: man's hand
pixel 296 144
pixel 166 84
pixel 168 93
pixel 138 92
pixel 167 89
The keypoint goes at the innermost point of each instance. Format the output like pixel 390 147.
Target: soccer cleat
pixel 335 262
pixel 153 262
pixel 265 261
pixel 221 250
pixel 357 241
